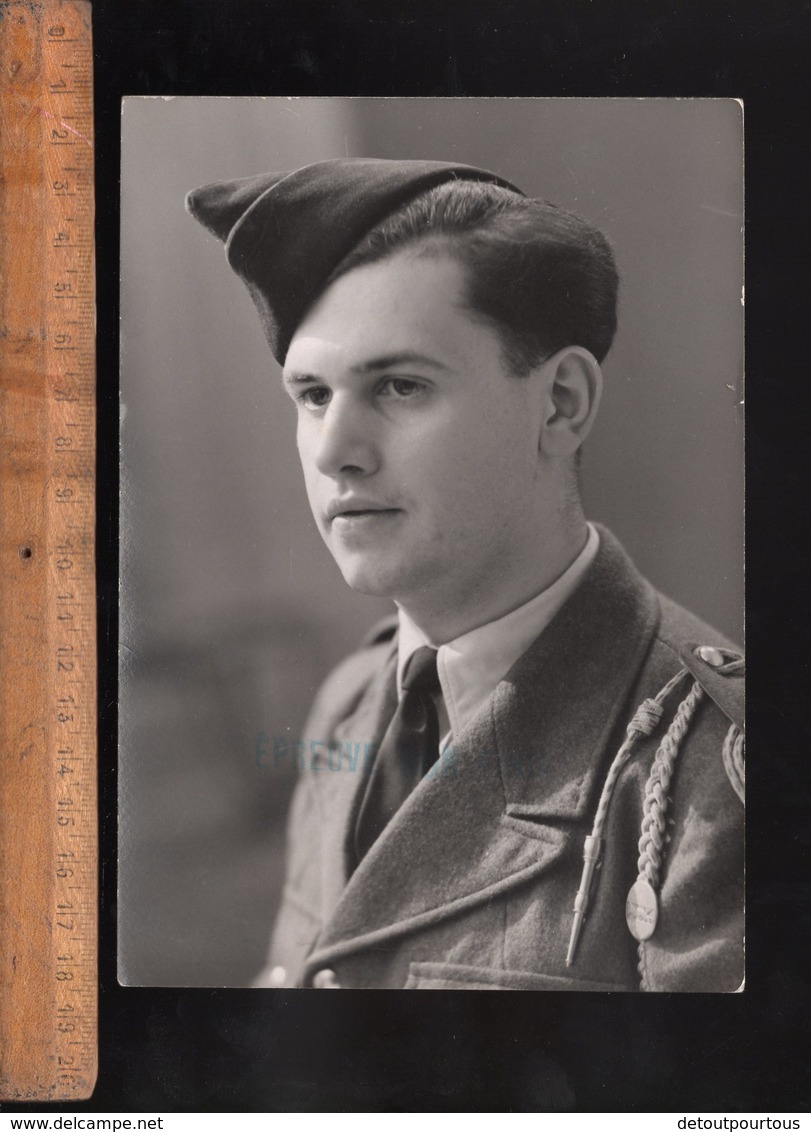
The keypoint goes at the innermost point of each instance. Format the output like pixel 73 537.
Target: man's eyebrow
pixel 293 378
pixel 373 365
pixel 403 357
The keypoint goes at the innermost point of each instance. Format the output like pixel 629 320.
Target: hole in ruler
pixel 26 552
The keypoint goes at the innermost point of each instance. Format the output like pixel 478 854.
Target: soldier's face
pixel 419 447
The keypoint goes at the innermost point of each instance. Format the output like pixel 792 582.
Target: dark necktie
pixel 409 749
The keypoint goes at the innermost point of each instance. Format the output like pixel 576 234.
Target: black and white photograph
pixel 431 536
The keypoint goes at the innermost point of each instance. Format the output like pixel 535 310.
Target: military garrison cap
pixel 285 233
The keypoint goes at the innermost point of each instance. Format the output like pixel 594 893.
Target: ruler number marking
pixel 63 1065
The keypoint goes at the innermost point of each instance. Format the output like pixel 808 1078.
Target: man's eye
pixel 402 387
pixel 315 398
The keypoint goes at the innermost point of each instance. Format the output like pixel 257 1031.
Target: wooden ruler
pixel 48 821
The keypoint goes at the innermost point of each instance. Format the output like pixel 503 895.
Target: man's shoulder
pixel 381 633
pixel 678 627
pixel 714 661
pixel 704 667
pixel 346 683
pixel 685 662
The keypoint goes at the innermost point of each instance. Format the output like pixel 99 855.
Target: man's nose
pixel 346 442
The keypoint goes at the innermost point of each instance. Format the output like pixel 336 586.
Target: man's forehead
pixel 403 308
pixel 308 354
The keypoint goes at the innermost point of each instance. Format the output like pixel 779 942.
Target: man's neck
pixel 442 620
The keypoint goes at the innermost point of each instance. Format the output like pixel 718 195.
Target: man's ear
pixel 573 382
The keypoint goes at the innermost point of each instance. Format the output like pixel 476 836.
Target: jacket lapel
pixel 505 802
pixel 342 771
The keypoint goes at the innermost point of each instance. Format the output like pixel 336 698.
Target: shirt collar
pixel 471 666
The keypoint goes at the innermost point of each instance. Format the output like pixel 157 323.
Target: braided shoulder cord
pixel 654 809
pixel 645 721
pixel 733 756
pixel 654 832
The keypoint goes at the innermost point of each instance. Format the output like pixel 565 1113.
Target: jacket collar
pixel 516 781
pixel 557 707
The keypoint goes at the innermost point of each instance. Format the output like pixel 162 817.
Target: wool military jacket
pixel 473 883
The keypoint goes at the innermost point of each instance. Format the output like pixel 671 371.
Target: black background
pixel 208 1050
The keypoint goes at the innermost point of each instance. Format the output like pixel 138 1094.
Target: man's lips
pixel 356 508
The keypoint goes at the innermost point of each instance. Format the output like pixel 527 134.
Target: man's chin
pixel 374 580
pixel 363 583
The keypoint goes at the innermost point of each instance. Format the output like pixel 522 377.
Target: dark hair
pixel 542 277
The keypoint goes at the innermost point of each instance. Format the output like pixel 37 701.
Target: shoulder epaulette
pixel 720 671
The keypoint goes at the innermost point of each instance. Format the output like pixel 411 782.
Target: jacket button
pixel 278 977
pixel 326 980
pixel 714 657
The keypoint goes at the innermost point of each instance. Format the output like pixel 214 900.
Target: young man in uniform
pixel 532 777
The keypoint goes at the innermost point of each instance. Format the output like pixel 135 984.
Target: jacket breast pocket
pixel 459 976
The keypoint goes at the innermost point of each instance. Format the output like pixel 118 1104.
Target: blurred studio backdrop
pixel 232 610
